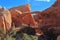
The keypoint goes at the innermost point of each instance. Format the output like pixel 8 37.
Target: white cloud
pixel 43 0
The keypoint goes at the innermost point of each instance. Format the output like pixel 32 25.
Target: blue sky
pixel 36 5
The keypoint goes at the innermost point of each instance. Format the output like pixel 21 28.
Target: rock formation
pixel 52 16
pixel 5 19
pixel 22 8
pixel 49 17
pixel 18 13
pixel 58 38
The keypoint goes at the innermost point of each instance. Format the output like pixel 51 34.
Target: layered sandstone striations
pixel 5 19
pixel 21 15
pixel 49 17
pixel 52 14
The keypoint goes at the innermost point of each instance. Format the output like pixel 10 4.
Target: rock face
pixel 5 19
pixel 38 17
pixel 49 17
pixel 1 21
pixel 47 20
pixel 58 38
pixel 54 7
pixel 16 19
pixel 52 14
pixel 23 8
pixel 27 18
pixel 16 14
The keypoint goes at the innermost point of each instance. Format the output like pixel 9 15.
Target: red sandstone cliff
pixel 22 14
pixel 52 14
pixel 49 17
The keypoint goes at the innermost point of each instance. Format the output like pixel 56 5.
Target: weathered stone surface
pixel 28 19
pixel 16 11
pixel 38 17
pixel 23 8
pixel 49 16
pixel 52 14
pixel 19 18
pixel 16 18
pixel 5 19
pixel 1 21
pixel 58 38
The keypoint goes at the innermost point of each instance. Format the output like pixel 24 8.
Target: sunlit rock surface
pixel 5 19
pixel 48 17
pixel 52 14
pixel 16 14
